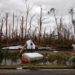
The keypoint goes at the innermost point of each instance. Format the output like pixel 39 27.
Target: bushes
pixel 6 54
pixel 59 57
pixel 72 60
pixel 1 56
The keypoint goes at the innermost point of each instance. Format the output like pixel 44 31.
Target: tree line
pixel 18 29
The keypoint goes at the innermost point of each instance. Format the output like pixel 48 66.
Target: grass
pixel 44 66
pixel 36 66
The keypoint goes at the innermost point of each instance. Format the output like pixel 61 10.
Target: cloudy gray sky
pixel 62 6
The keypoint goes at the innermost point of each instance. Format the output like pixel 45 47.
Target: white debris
pixel 19 68
pixel 30 44
pixel 32 56
pixel 73 45
pixel 13 47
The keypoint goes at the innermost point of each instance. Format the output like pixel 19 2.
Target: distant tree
pixel 28 9
pixel 40 19
pixel 13 26
pixel 30 27
pixel 22 27
pixel 40 23
pixel 9 31
pixel 53 11
pixel 72 15
pixel 6 24
pixel 6 21
pixel 1 28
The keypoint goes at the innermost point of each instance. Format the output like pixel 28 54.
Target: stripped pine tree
pixel 28 9
pixel 72 19
pixel 53 12
pixel 1 28
pixel 40 24
pixel 6 29
pixel 22 22
pixel 13 27
pixel 6 25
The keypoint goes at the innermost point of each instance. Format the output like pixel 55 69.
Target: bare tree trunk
pixel 52 10
pixel 7 28
pixel 44 35
pixel 57 26
pixel 17 29
pixel 1 28
pixel 22 22
pixel 29 30
pixel 40 24
pixel 9 31
pixel 13 27
pixel 59 30
pixel 73 21
pixel 6 25
pixel 27 13
pixel 28 8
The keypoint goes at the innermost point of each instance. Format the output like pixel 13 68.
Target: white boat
pixel 28 57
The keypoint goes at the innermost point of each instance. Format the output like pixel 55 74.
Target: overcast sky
pixel 62 6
